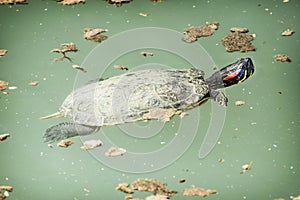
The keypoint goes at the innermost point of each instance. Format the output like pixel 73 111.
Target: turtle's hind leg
pixel 66 130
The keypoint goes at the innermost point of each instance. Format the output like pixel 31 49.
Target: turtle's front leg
pixel 66 130
pixel 219 97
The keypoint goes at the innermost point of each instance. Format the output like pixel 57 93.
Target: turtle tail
pixel 57 114
pixel 66 130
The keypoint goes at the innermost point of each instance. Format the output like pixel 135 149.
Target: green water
pixel 265 130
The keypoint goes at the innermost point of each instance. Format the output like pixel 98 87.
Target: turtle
pixel 142 95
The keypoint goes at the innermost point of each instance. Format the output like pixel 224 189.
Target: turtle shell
pixel 138 95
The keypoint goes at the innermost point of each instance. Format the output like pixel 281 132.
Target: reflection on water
pixel 263 131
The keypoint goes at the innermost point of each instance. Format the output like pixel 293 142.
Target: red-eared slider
pixel 142 95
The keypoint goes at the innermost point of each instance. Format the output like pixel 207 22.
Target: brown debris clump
pixel 118 3
pixel 149 185
pixel 152 185
pixel 143 14
pixel 238 29
pixel 246 167
pixel 196 191
pixel 12 2
pixel 3 52
pixel 65 143
pixel 194 32
pixel 91 144
pixel 181 180
pixel 69 2
pixel 33 83
pixel 4 136
pixel 4 188
pixel 130 197
pixel 66 47
pixel 157 197
pixel 239 40
pixel 287 32
pixel 113 151
pixel 94 34
pixel 3 85
pixel 145 53
pixel 124 187
pixel 79 68
pixel 240 103
pixel 296 198
pixel 120 67
pixel 282 58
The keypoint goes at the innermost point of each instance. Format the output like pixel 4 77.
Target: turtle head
pixel 231 74
pixel 237 72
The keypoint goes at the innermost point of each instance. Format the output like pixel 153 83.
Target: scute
pixel 130 96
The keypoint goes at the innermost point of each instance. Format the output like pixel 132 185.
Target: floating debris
pixel 152 185
pixel 285 1
pixel 65 143
pixel 70 2
pixel 2 196
pixel 239 40
pixel 91 144
pixel 221 160
pixel 287 32
pixel 66 47
pixel 145 53
pixel 4 136
pixel 156 1
pixel 34 83
pixel 94 34
pixel 246 167
pixel 130 197
pixel 296 198
pixel 214 68
pixel 3 52
pixel 6 188
pixel 149 185
pixel 118 3
pixel 113 151
pixel 181 180
pixel 194 32
pixel 50 145
pixel 240 103
pixel 124 187
pixel 79 68
pixel 86 190
pixel 282 58
pixel 13 87
pixel 120 67
pixel 3 85
pixel 143 14
pixel 240 30
pixel 157 197
pixel 5 92
pixel 196 191
pixel 12 2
